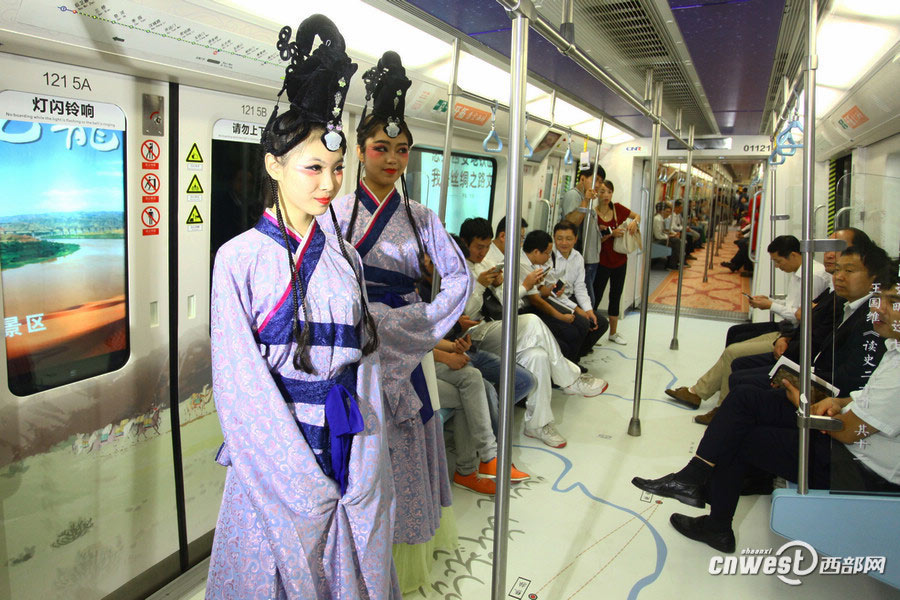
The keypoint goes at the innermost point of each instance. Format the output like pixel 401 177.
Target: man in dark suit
pixel 827 314
pixel 757 429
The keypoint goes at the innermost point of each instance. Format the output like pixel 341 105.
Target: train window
pixel 472 182
pixel 62 240
pixel 237 198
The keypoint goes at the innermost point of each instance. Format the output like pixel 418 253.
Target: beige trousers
pixel 716 379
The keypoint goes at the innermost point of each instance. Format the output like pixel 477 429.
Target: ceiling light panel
pixel 416 47
pixel 840 68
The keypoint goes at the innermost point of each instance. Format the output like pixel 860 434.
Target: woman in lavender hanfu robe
pixel 306 510
pixel 392 235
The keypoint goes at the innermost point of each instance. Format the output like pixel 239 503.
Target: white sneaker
pixel 547 434
pixel 587 385
pixel 618 339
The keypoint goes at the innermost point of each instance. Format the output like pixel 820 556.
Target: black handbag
pixel 491 308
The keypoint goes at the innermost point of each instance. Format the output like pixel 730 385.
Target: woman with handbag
pixel 617 240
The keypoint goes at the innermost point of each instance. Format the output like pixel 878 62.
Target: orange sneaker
pixel 489 469
pixel 474 483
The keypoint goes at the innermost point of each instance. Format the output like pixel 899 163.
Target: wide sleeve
pixel 273 464
pixel 408 332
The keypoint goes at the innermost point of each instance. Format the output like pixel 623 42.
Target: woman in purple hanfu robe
pixel 306 511
pixel 392 236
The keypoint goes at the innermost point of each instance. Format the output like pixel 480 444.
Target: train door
pixel 86 479
pixel 219 166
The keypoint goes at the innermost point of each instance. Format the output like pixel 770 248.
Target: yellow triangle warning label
pixel 194 218
pixel 194 155
pixel 194 187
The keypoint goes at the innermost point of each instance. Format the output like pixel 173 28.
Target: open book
pixel 553 301
pixel 785 368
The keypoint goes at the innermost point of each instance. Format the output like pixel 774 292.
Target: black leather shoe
pixel 695 528
pixel 670 487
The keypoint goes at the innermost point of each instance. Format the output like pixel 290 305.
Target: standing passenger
pixel 576 208
pixel 307 501
pixel 393 237
pixel 613 265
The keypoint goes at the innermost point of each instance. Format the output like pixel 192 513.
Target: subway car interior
pixel 726 127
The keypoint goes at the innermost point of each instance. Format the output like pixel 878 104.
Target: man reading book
pixel 752 434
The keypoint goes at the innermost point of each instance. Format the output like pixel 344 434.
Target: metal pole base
pixel 634 427
pixel 674 344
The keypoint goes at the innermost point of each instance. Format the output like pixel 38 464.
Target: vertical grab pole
pixel 448 150
pixel 518 77
pixel 773 217
pixel 634 426
pixel 684 226
pixel 721 214
pixel 710 237
pixel 807 243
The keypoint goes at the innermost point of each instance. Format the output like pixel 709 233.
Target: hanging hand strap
pixel 492 136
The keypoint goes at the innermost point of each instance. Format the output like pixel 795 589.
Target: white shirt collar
pixel 892 344
pixel 851 307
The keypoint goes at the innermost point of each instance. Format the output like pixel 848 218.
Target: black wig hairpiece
pixel 386 87
pixel 316 82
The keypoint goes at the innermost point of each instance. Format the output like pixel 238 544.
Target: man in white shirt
pixel 785 253
pixel 662 235
pixel 748 339
pixel 678 226
pixel 536 350
pixel 570 325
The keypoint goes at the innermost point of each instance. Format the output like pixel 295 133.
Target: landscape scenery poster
pixel 62 252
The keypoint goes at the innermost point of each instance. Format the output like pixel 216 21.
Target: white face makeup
pixel 308 178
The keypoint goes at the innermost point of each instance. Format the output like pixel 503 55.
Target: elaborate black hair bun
pixel 386 85
pixel 316 82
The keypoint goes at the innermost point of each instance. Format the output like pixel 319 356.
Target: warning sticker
pixel 194 155
pixel 150 184
pixel 150 150
pixel 194 218
pixel 194 186
pixel 150 217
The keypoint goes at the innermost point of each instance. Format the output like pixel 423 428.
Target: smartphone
pixel 746 294
pixel 559 285
pixel 495 269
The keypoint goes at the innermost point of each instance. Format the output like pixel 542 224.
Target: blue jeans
pixel 489 365
pixel 590 272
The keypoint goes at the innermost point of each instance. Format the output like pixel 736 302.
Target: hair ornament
pixel 386 86
pixel 315 80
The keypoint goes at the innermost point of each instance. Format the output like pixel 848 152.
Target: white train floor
pixel 579 529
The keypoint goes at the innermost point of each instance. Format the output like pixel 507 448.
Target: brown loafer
pixel 707 418
pixel 685 396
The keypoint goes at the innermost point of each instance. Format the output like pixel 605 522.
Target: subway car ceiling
pixel 726 67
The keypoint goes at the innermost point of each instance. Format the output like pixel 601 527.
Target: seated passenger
pixel 536 349
pixel 568 276
pixel 827 307
pixel 846 357
pixel 741 259
pixel 569 325
pixel 752 432
pixel 662 235
pixel 472 429
pixel 784 251
pixel 487 363
pixel 678 226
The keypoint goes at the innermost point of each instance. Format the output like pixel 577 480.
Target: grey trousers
pixel 464 390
